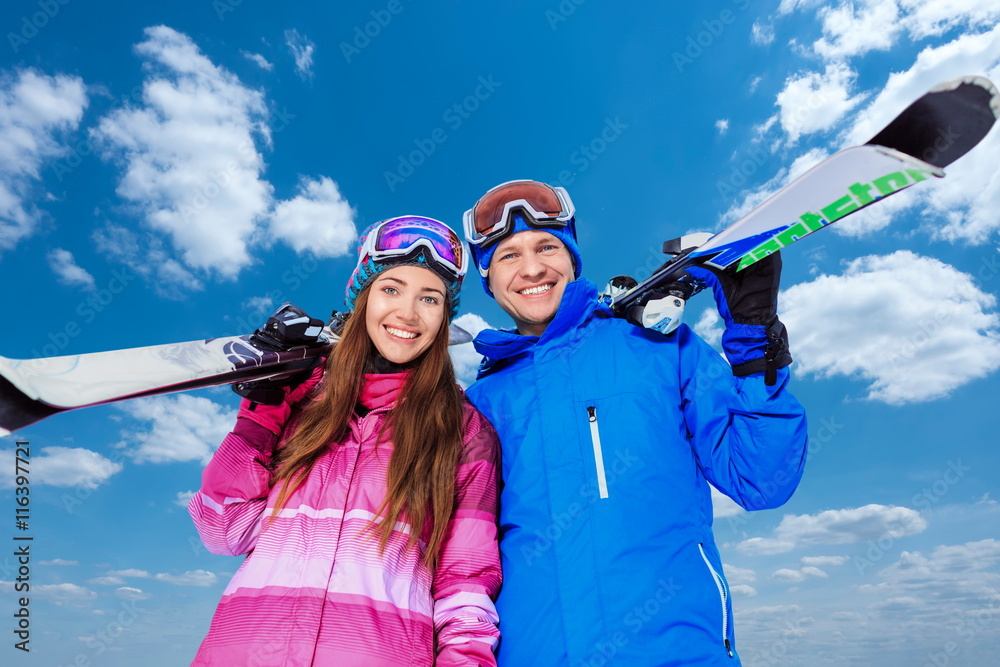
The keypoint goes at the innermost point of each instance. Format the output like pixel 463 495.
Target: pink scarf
pixel 382 389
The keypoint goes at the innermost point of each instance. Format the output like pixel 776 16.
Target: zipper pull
pixel 592 411
pixel 729 649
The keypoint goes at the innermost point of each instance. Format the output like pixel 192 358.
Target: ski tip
pixel 457 335
pixel 973 80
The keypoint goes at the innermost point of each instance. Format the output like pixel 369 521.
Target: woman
pixel 367 500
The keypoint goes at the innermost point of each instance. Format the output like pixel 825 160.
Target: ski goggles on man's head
pixel 492 217
pixel 402 238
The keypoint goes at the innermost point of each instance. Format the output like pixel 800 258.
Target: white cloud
pixel 743 590
pixel 788 576
pixel 739 575
pixel 763 546
pixel 36 112
pixel 817 561
pixel 762 33
pixel 106 580
pixel 129 593
pixel 191 166
pixel 814 572
pixel 62 592
pixel 184 428
pixel 67 270
pixel 722 125
pixel 130 572
pixel 464 357
pixel 854 28
pixel 946 560
pixel 871 522
pixel 192 578
pixel 58 562
pixel 709 327
pixel 258 59
pixel 932 17
pixel 318 220
pixel 723 505
pixel 260 305
pixel 192 170
pixel 66 467
pixel 958 578
pixel 887 330
pixel 183 498
pixel 789 6
pixel 301 48
pixel 813 102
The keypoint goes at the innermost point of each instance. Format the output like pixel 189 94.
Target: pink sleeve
pixel 227 510
pixel 467 579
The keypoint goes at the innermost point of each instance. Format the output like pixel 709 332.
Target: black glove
pixel 288 327
pixel 748 302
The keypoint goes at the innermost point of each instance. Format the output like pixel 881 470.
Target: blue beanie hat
pixel 567 235
pixel 367 268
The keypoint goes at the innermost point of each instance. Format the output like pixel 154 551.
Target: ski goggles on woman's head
pixel 543 206
pixel 398 239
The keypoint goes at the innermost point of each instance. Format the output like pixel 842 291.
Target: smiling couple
pixel 558 513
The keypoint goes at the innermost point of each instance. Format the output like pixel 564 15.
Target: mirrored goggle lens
pixel 403 235
pixel 489 212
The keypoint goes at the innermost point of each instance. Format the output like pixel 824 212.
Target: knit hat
pixel 416 241
pixel 567 235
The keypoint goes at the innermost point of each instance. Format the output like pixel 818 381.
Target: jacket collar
pixel 579 302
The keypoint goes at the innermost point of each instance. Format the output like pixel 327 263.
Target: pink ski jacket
pixel 314 590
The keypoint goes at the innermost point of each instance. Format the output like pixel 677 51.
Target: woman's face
pixel 406 307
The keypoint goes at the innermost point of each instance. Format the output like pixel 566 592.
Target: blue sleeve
pixel 748 438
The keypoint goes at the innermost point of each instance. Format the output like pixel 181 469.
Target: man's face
pixel 528 274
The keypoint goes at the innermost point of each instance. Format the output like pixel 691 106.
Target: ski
pixel 33 389
pixel 934 131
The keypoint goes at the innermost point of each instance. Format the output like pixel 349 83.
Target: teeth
pixel 536 290
pixel 400 333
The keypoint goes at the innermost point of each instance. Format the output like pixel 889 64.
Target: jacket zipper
pixel 723 595
pixel 595 439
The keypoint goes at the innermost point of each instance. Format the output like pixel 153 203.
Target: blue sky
pixel 174 173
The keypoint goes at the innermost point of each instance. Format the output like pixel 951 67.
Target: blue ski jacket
pixel 610 436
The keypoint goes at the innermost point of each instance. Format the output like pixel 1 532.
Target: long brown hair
pixel 426 428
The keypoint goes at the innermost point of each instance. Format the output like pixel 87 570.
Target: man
pixel 611 435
